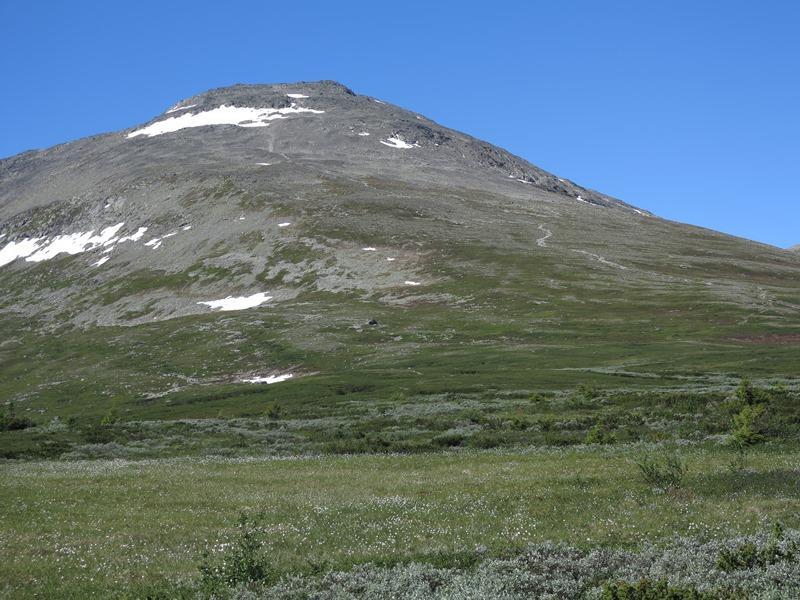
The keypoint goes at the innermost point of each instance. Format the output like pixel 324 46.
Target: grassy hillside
pixel 523 303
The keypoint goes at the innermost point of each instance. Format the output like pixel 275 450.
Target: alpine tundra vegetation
pixel 289 341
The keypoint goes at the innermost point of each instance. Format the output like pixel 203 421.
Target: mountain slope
pixel 255 231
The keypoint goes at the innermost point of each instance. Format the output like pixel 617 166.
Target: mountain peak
pixel 324 209
pixel 263 94
pixel 326 120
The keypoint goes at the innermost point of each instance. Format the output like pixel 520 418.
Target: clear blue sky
pixel 688 109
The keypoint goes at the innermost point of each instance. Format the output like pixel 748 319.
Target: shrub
pixel 647 589
pixel 448 439
pixel 746 431
pixel 749 556
pixel 748 394
pixel 273 411
pixel 9 421
pixel 589 392
pixel 600 434
pixel 111 417
pixel 243 562
pixel 485 439
pixel 664 470
pixel 397 396
pixel 515 424
pixel 778 391
pixel 746 425
pixel 96 433
pixel 681 570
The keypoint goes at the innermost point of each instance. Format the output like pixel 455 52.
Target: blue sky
pixel 688 109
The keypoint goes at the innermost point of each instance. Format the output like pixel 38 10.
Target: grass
pixel 77 529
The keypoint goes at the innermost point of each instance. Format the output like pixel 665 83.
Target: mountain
pixel 303 230
pixel 795 248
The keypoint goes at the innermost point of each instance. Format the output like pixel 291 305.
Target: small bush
pixel 745 556
pixel 243 562
pixel 448 440
pixel 747 424
pixel 748 555
pixel 748 394
pixel 647 589
pixel 95 433
pixel 9 421
pixel 398 396
pixel 485 439
pixel 665 470
pixel 600 434
pixel 746 432
pixel 745 392
pixel 111 417
pixel 273 411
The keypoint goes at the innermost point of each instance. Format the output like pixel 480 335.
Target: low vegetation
pixel 82 528
pixel 583 493
pixel 353 421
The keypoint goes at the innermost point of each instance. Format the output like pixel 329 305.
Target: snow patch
pixel 177 108
pixel 363 133
pixel 391 258
pixel 240 303
pixel 269 379
pixel 368 249
pixel 413 283
pixel 395 142
pixel 40 249
pixel 263 164
pixel 297 96
pixel 155 243
pixel 284 224
pixel 133 237
pixel 14 250
pixel 102 261
pixel 240 116
pixel 186 228
pixel 74 243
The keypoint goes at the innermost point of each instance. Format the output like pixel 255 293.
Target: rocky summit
pixel 346 248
